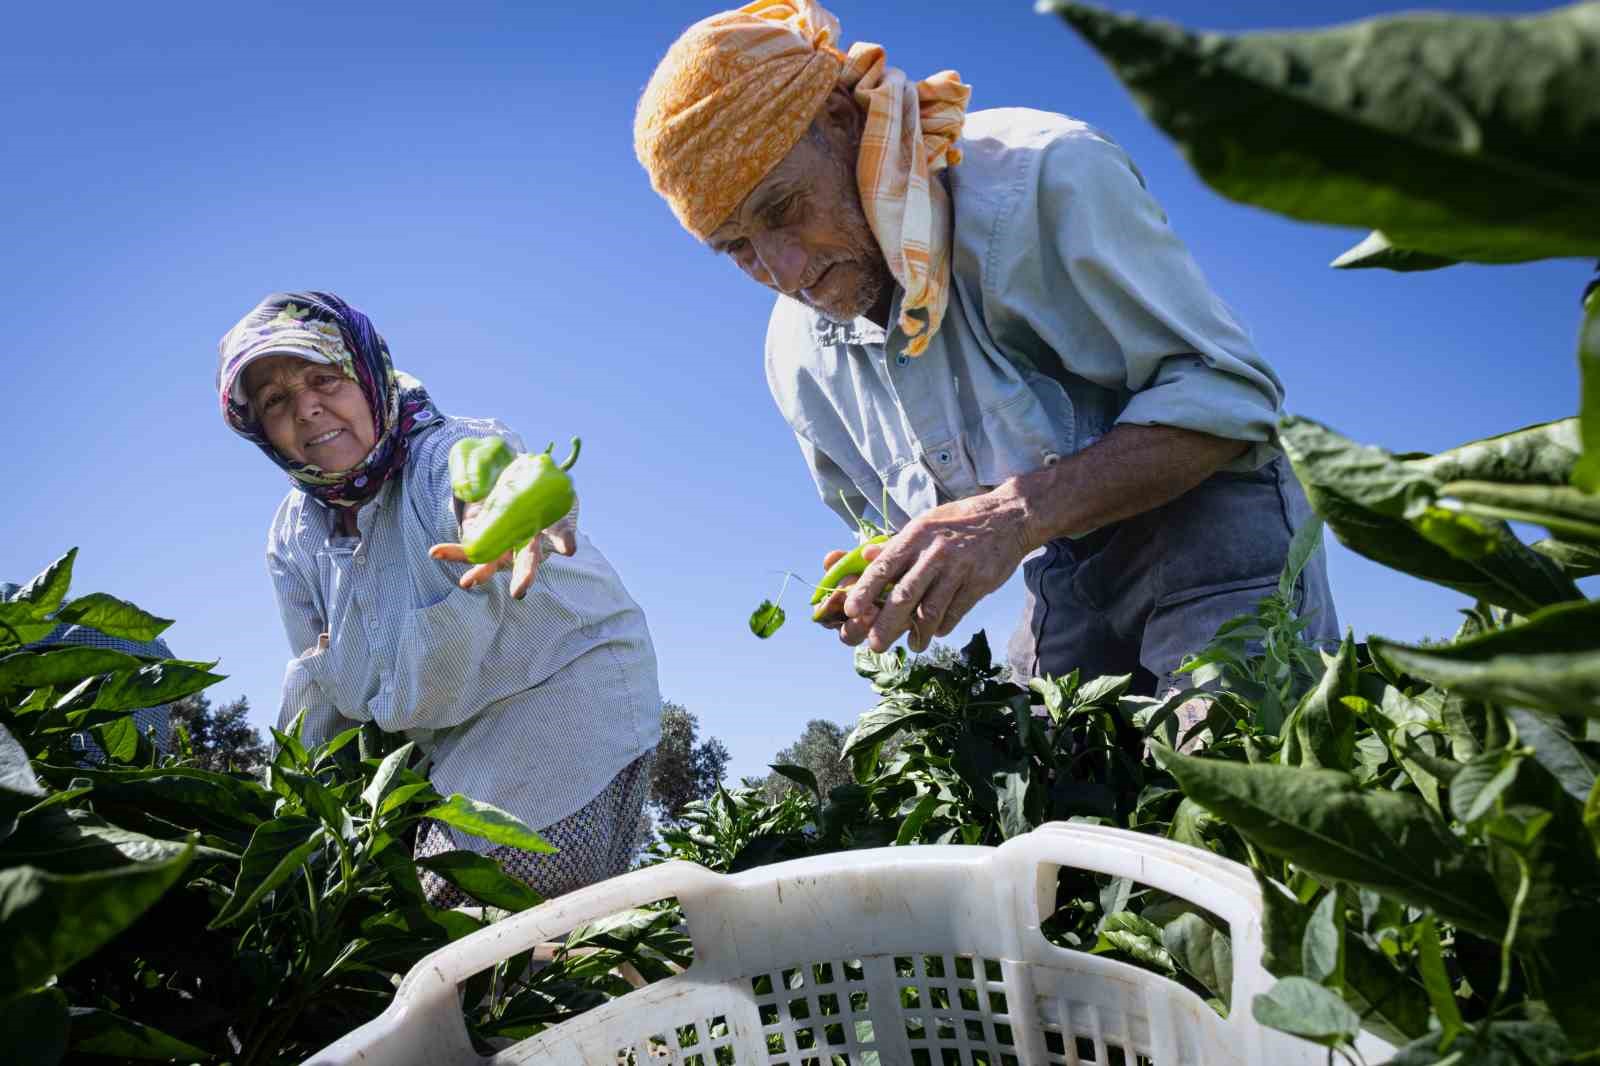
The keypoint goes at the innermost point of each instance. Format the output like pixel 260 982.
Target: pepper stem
pixel 577 446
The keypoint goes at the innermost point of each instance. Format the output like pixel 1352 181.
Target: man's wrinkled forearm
pixel 1130 470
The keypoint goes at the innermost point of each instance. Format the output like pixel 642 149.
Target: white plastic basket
pixel 799 962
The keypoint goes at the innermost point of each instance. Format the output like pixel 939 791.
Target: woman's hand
pixel 561 538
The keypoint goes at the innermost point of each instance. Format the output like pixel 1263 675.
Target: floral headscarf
pixel 321 328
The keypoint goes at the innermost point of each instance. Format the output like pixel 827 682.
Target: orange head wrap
pixel 738 90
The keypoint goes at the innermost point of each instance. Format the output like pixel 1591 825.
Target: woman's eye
pixel 271 401
pixel 325 382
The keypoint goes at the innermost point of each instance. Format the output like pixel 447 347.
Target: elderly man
pixel 985 318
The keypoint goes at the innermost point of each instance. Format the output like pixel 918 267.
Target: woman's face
pixel 311 412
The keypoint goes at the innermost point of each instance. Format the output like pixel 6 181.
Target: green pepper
pixel 476 464
pixel 531 495
pixel 852 563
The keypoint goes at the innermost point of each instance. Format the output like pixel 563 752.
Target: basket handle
pixel 1221 886
pixel 521 932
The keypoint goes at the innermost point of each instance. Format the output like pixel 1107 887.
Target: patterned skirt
pixel 597 841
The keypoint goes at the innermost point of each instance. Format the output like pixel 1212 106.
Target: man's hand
pixel 945 560
pixel 561 538
pixel 942 563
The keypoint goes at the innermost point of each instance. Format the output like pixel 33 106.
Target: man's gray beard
pixel 870 292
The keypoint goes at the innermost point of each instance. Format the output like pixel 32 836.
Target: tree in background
pixel 686 768
pixel 818 750
pixel 220 738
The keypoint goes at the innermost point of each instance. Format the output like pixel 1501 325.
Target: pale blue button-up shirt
pixel 533 705
pixel 1073 307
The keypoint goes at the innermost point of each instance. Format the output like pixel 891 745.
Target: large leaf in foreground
pixel 113 617
pixel 1550 662
pixel 276 853
pixel 1463 137
pixel 50 921
pixel 1323 821
pixel 1382 507
pixel 483 879
pixel 489 822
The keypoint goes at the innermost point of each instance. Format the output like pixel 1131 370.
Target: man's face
pixel 801 232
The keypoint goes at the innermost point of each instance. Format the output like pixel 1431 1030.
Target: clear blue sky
pixel 465 174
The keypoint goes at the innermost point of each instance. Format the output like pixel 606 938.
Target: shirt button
pixel 902 359
pixel 944 457
pixel 1051 458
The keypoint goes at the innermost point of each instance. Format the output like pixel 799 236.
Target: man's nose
pixel 783 260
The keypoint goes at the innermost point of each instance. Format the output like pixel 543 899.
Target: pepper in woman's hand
pixel 532 494
pixel 476 463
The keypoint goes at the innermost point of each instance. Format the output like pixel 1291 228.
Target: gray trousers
pixel 1137 596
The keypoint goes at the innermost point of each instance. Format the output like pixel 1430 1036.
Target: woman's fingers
pixel 525 568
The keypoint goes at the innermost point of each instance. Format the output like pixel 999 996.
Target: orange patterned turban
pixel 739 89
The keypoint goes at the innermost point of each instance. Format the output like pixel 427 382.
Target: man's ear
pixel 842 117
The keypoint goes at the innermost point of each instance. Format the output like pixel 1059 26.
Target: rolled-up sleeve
pixel 1088 264
pixel 303 624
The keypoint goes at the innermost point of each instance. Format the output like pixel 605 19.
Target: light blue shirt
pixel 1073 308
pixel 533 705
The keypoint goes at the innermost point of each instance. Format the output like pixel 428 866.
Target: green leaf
pixel 49 587
pixel 800 775
pixel 881 723
pixel 33 1028
pixel 1324 822
pixel 1382 507
pixel 61 666
pixel 1441 993
pixel 1139 937
pixel 766 619
pixel 1568 513
pixel 153 685
pixel 1591 817
pixel 489 822
pixel 1307 540
pixel 1011 798
pixel 384 777
pixel 1554 750
pixel 277 851
pixel 1305 1009
pixel 483 879
pixel 1575 560
pixel 1586 473
pixel 1547 662
pixel 911 829
pixel 60 840
pixel 1202 951
pixel 113 617
pixel 1482 781
pixel 1393 1006
pixel 1321 943
pixel 421 791
pixel 19 788
pixel 1376 250
pixel 50 921
pixel 98 1032
pixel 1321 731
pixel 1540 454
pixel 20 624
pixel 1493 1044
pixel 198 799
pixel 1457 136
pixel 119 739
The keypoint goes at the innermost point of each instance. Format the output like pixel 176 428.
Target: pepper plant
pixel 152 910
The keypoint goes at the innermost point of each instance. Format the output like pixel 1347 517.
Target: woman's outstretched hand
pixel 561 538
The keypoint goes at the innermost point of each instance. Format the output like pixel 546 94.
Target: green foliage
pixel 1458 137
pixel 161 908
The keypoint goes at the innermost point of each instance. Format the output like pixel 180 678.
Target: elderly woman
pixel 534 690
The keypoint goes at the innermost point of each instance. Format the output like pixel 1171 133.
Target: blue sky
pixel 465 175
